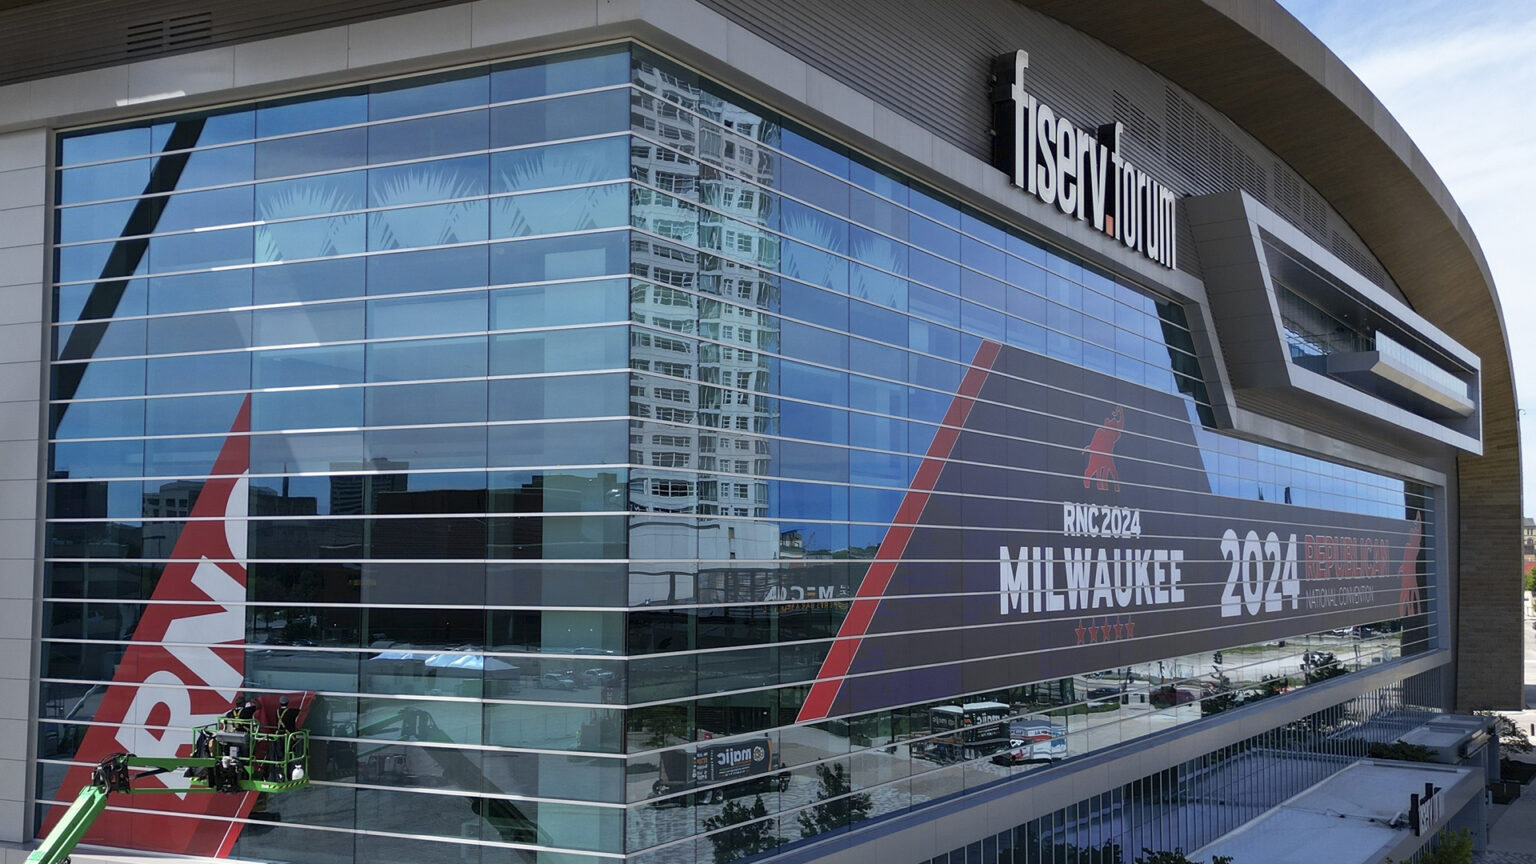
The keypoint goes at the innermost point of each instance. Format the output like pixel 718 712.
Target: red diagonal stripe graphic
pixel 181 669
pixel 829 680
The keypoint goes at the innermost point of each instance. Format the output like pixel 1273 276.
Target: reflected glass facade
pixel 582 405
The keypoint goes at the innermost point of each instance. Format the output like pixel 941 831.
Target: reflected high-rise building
pixel 701 415
pixel 354 492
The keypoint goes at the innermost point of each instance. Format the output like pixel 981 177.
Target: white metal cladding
pixel 53 37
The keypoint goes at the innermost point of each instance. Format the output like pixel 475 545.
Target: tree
pixel 844 809
pixel 664 725
pixel 756 836
pixel 1067 853
pixel 1530 579
pixel 1512 739
pixel 1450 848
pixel 1221 700
pixel 1320 666
pixel 1177 856
pixel 1272 685
pixel 1401 752
pixel 1217 703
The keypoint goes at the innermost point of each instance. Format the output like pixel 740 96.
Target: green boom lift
pixel 230 756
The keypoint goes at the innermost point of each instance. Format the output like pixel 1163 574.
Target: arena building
pixel 702 430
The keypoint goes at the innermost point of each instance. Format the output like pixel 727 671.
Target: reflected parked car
pixel 557 681
pixel 1100 695
pixel 597 677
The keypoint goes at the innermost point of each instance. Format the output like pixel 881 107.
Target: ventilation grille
pixel 169 34
pixel 1207 158
pixel 1287 192
pixel 1315 213
pixel 1355 257
pixel 1137 123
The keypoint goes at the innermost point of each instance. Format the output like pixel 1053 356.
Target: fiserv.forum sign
pixel 1081 172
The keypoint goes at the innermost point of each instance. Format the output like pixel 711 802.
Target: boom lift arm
pixel 232 756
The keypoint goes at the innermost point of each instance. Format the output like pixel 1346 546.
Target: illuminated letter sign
pixel 1080 172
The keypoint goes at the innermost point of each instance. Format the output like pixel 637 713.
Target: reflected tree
pixel 755 834
pixel 833 785
pixel 1177 856
pixel 1320 666
pixel 1068 853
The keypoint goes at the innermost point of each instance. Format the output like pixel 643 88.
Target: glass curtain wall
pixel 807 318
pixel 419 291
pixel 579 395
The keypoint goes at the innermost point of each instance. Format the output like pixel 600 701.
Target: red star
pixel 1105 629
pixel 1119 630
pixel 1130 629
pixel 1093 633
pixel 1080 633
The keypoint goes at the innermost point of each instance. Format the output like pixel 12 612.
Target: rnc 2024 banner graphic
pixel 183 669
pixel 1099 545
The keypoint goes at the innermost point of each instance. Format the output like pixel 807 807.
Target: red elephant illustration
pixel 1101 451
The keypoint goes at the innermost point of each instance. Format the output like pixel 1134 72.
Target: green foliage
pixel 1530 580
pixel 1177 856
pixel 1218 703
pixel 664 725
pixel 1401 752
pixel 747 840
pixel 1320 666
pixel 1451 847
pixel 1512 739
pixel 1223 699
pixel 1272 685
pixel 833 786
pixel 1067 853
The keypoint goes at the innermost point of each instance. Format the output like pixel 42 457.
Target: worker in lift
pixel 246 711
pixel 287 718
pixel 286 723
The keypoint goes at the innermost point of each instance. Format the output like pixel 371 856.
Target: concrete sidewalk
pixel 1512 827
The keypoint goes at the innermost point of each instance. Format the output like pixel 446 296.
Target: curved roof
pixel 1258 65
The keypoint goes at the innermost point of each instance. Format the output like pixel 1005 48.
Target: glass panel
pixel 431 225
pixel 307 154
pixel 569 164
pixel 414 360
pixel 428 94
pixel 307 113
pixel 560 118
pixel 581 209
pixel 579 71
pixel 426 316
pixel 560 351
pixel 218 290
pixel 558 304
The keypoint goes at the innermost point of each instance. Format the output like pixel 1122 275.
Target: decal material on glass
pixel 183 669
pixel 1101 549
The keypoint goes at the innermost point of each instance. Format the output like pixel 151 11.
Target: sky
pixel 1458 76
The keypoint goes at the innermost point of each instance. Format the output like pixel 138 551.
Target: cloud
pixel 1457 76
